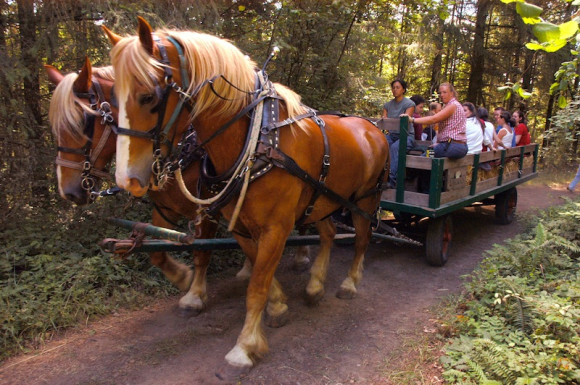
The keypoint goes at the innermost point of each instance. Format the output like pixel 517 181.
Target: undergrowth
pixel 519 320
pixel 54 276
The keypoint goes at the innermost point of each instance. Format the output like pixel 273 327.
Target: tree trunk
pixel 30 58
pixel 478 54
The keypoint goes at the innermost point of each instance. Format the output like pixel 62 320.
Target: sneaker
pixel 569 189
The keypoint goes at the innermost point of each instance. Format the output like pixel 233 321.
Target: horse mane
pixel 64 113
pixel 207 56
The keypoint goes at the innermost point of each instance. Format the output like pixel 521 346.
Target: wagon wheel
pixel 439 236
pixel 505 206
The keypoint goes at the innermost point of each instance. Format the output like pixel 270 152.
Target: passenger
pixel 474 129
pixel 393 109
pixel 419 105
pixel 521 131
pixel 451 139
pixel 506 133
pixel 496 114
pixel 430 131
pixel 489 131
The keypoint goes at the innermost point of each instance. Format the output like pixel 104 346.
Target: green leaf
pixel 554 86
pixel 513 1
pixel 562 103
pixel 508 95
pixel 530 13
pixel 569 29
pixel 534 46
pixel 546 32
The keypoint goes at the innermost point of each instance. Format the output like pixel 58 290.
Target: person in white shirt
pixel 506 134
pixel 489 131
pixel 474 128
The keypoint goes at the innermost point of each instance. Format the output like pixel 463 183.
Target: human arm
pixel 409 111
pixel 445 113
pixel 498 138
pixel 384 112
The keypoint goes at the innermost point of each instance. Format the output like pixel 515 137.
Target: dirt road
pixel 336 342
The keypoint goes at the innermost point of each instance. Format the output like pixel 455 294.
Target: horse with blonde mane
pixel 82 116
pixel 276 161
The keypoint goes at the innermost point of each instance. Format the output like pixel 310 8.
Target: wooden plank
pixel 485 185
pixel 389 124
pixel 411 198
pixel 419 162
pixel 456 178
pixel 450 196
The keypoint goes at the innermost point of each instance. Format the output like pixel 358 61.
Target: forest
pixel 339 55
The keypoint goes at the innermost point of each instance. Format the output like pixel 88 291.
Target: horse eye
pixel 146 99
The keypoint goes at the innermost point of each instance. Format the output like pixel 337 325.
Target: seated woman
pixel 430 132
pixel 393 109
pixel 489 132
pixel 521 131
pixel 474 129
pixel 506 133
pixel 451 138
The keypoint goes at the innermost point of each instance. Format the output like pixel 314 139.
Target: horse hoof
pixel 231 373
pixel 276 321
pixel 188 312
pixel 313 300
pixel 300 266
pixel 345 294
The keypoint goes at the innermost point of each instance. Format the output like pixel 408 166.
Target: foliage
pixel 519 323
pixel 563 135
pixel 53 275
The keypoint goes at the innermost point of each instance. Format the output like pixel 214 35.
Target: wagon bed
pixel 436 187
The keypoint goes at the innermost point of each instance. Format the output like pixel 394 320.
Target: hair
pixel 401 82
pixel 206 57
pixel 499 109
pixel 522 115
pixel 505 115
pixel 417 99
pixel 483 114
pixel 474 113
pixel 451 88
pixel 66 111
pixel 433 106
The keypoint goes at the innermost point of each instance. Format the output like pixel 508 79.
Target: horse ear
pixel 113 37
pixel 145 36
pixel 84 82
pixel 54 75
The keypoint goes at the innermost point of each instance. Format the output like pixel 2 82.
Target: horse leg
pixel 251 343
pixel 195 300
pixel 315 287
pixel 362 238
pixel 176 272
pixel 246 270
pixel 301 255
pixel 277 310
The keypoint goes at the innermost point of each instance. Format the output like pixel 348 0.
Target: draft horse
pixel 302 166
pixel 83 117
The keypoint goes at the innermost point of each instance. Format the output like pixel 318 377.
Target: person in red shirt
pixel 521 130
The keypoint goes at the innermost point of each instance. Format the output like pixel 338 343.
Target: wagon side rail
pixel 455 183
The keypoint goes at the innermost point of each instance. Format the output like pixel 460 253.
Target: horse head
pixel 81 116
pixel 167 80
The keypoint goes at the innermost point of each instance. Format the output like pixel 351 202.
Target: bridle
pixel 161 167
pixel 102 108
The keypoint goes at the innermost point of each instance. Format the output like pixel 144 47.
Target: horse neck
pixel 225 148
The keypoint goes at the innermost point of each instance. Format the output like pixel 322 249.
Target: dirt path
pixel 336 342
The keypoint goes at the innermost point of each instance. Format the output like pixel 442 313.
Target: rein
pixel 97 102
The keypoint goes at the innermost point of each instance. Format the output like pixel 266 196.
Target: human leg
pixel 450 150
pixel 575 181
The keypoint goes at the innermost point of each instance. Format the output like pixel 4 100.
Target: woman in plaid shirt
pixel 451 138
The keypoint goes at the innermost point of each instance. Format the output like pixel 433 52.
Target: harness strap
pixel 323 172
pixel 79 166
pixel 281 160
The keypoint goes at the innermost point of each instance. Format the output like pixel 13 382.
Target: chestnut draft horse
pixel 302 166
pixel 82 116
